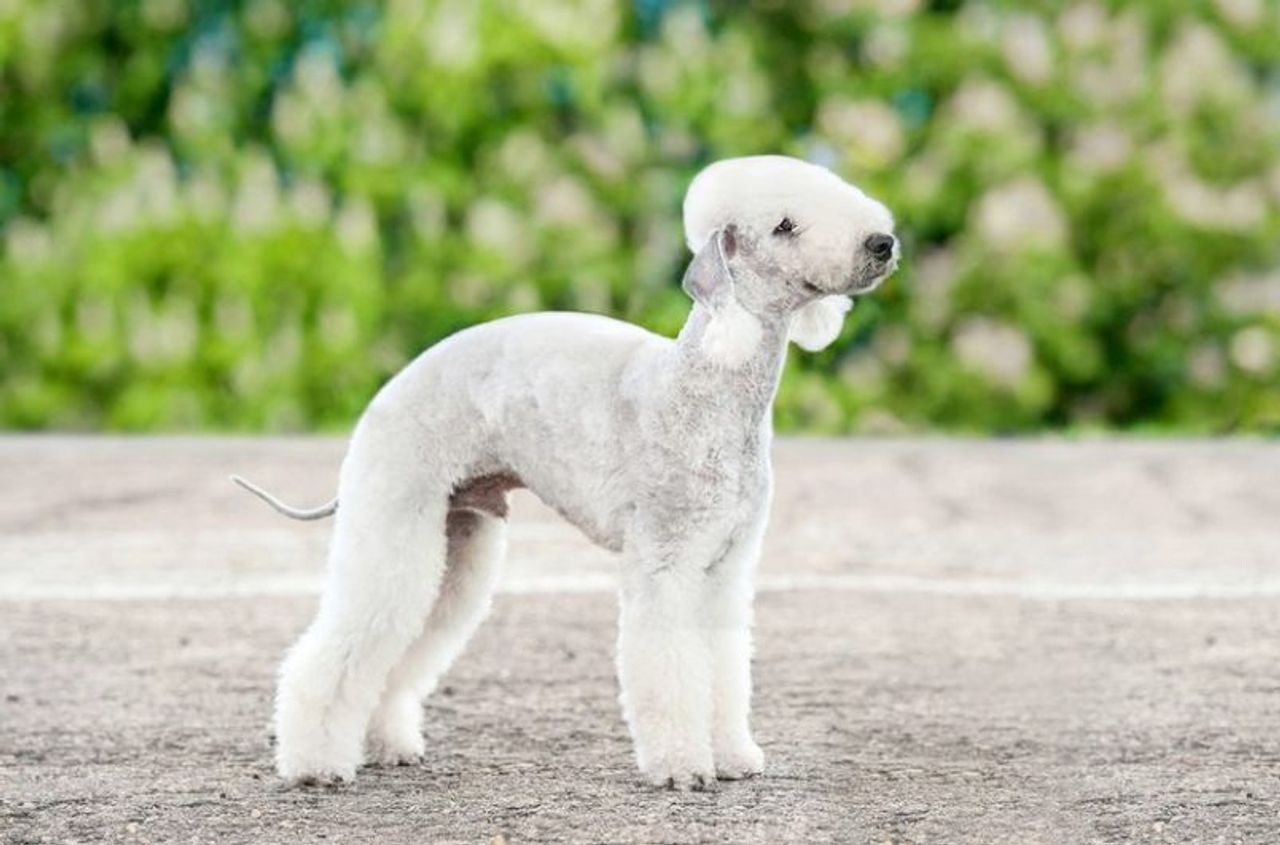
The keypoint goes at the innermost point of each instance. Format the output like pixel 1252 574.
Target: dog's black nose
pixel 880 246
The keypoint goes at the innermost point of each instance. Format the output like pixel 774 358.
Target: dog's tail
pixel 321 512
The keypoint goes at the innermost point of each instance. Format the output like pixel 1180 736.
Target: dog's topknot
pixel 735 187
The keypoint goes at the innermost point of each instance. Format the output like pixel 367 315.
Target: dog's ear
pixel 732 334
pixel 708 279
pixel 818 324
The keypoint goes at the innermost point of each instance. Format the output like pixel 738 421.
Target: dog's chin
pixel 866 284
pixel 857 286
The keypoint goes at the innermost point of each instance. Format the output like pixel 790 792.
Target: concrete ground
pixel 959 642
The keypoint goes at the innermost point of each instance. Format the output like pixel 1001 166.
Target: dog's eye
pixel 786 227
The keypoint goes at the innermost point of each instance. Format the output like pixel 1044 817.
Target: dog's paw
pixel 685 781
pixel 405 750
pixel 314 767
pixel 395 732
pixel 395 735
pixel 319 781
pixel 315 775
pixel 684 776
pixel 740 761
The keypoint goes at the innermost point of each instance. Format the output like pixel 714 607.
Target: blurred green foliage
pixel 247 215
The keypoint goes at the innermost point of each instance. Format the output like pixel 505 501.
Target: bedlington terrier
pixel 657 449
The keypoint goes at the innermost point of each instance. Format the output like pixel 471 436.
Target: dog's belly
pixel 600 523
pixel 490 493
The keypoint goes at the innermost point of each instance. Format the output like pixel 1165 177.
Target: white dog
pixel 656 448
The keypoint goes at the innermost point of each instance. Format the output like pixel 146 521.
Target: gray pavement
pixel 958 641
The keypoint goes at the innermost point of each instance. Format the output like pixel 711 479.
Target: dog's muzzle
pixel 882 259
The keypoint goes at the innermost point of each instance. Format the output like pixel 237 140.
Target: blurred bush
pixel 246 215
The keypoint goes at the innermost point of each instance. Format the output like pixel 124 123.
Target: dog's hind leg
pixel 477 544
pixel 386 562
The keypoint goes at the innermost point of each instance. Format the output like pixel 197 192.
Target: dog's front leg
pixel 729 595
pixel 664 666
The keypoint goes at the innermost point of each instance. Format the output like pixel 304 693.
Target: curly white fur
pixel 656 448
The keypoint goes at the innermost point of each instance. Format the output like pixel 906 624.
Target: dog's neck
pixel 740 367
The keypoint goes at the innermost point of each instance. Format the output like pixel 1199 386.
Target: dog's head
pixel 779 238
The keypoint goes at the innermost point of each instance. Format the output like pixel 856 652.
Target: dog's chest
pixel 716 471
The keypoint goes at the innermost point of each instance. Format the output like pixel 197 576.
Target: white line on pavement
pixel 589 583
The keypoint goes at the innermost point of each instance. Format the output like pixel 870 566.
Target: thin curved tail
pixel 321 512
